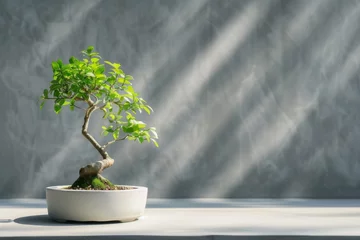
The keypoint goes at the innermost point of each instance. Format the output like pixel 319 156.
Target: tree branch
pixel 53 98
pixel 91 139
pixel 66 98
pixel 113 141
pixel 79 107
pixel 96 99
pixel 69 98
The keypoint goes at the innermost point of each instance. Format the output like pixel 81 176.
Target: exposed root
pixel 96 168
pixel 96 182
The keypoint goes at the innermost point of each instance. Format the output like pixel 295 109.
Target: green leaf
pixel 90 74
pixel 75 88
pixel 54 87
pixel 110 129
pixel 94 60
pixel 111 80
pixel 112 117
pixel 46 93
pixel 118 71
pixel 114 65
pixel 94 54
pixel 115 135
pixel 66 103
pixel 146 109
pixel 55 65
pixel 129 78
pixel 61 102
pixel 90 49
pixel 56 93
pixel 59 61
pixel 127 99
pixel 140 124
pixel 155 142
pixel 72 60
pixel 100 76
pixel 57 108
pixel 141 139
pixel 150 108
pixel 129 116
pixel 147 135
pixel 154 133
pixel 42 104
pixel 127 129
pixel 130 90
pixel 100 69
pixel 106 114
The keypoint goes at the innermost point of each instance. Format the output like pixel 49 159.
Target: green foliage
pixel 104 85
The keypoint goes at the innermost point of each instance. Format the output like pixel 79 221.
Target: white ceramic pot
pixel 95 205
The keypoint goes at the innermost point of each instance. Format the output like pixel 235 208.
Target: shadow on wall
pixel 322 147
pixel 251 99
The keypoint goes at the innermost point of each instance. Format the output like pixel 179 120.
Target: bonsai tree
pixel 86 85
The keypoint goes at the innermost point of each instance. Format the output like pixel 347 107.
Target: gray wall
pixel 252 98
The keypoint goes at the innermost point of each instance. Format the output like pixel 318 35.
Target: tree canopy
pixel 88 81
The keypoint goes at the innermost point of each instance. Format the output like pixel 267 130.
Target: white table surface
pixel 204 218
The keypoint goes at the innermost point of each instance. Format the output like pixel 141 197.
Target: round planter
pixel 95 205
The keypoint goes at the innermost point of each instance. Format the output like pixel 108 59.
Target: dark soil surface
pixel 90 188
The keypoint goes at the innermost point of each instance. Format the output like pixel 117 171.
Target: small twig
pixel 113 141
pixel 66 98
pixel 53 98
pixel 79 107
pixel 96 99
pixel 91 103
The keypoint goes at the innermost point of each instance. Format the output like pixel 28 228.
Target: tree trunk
pixel 84 131
pixel 99 166
pixel 96 167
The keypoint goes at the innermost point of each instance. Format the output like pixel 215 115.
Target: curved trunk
pixel 96 167
pixel 84 131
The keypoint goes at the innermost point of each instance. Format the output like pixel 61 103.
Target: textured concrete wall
pixel 252 98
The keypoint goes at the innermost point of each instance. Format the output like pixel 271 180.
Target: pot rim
pixel 61 188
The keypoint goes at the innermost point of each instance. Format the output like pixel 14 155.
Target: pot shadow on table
pixel 45 220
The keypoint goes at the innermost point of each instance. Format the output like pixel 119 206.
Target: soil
pixel 90 188
pixel 96 182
